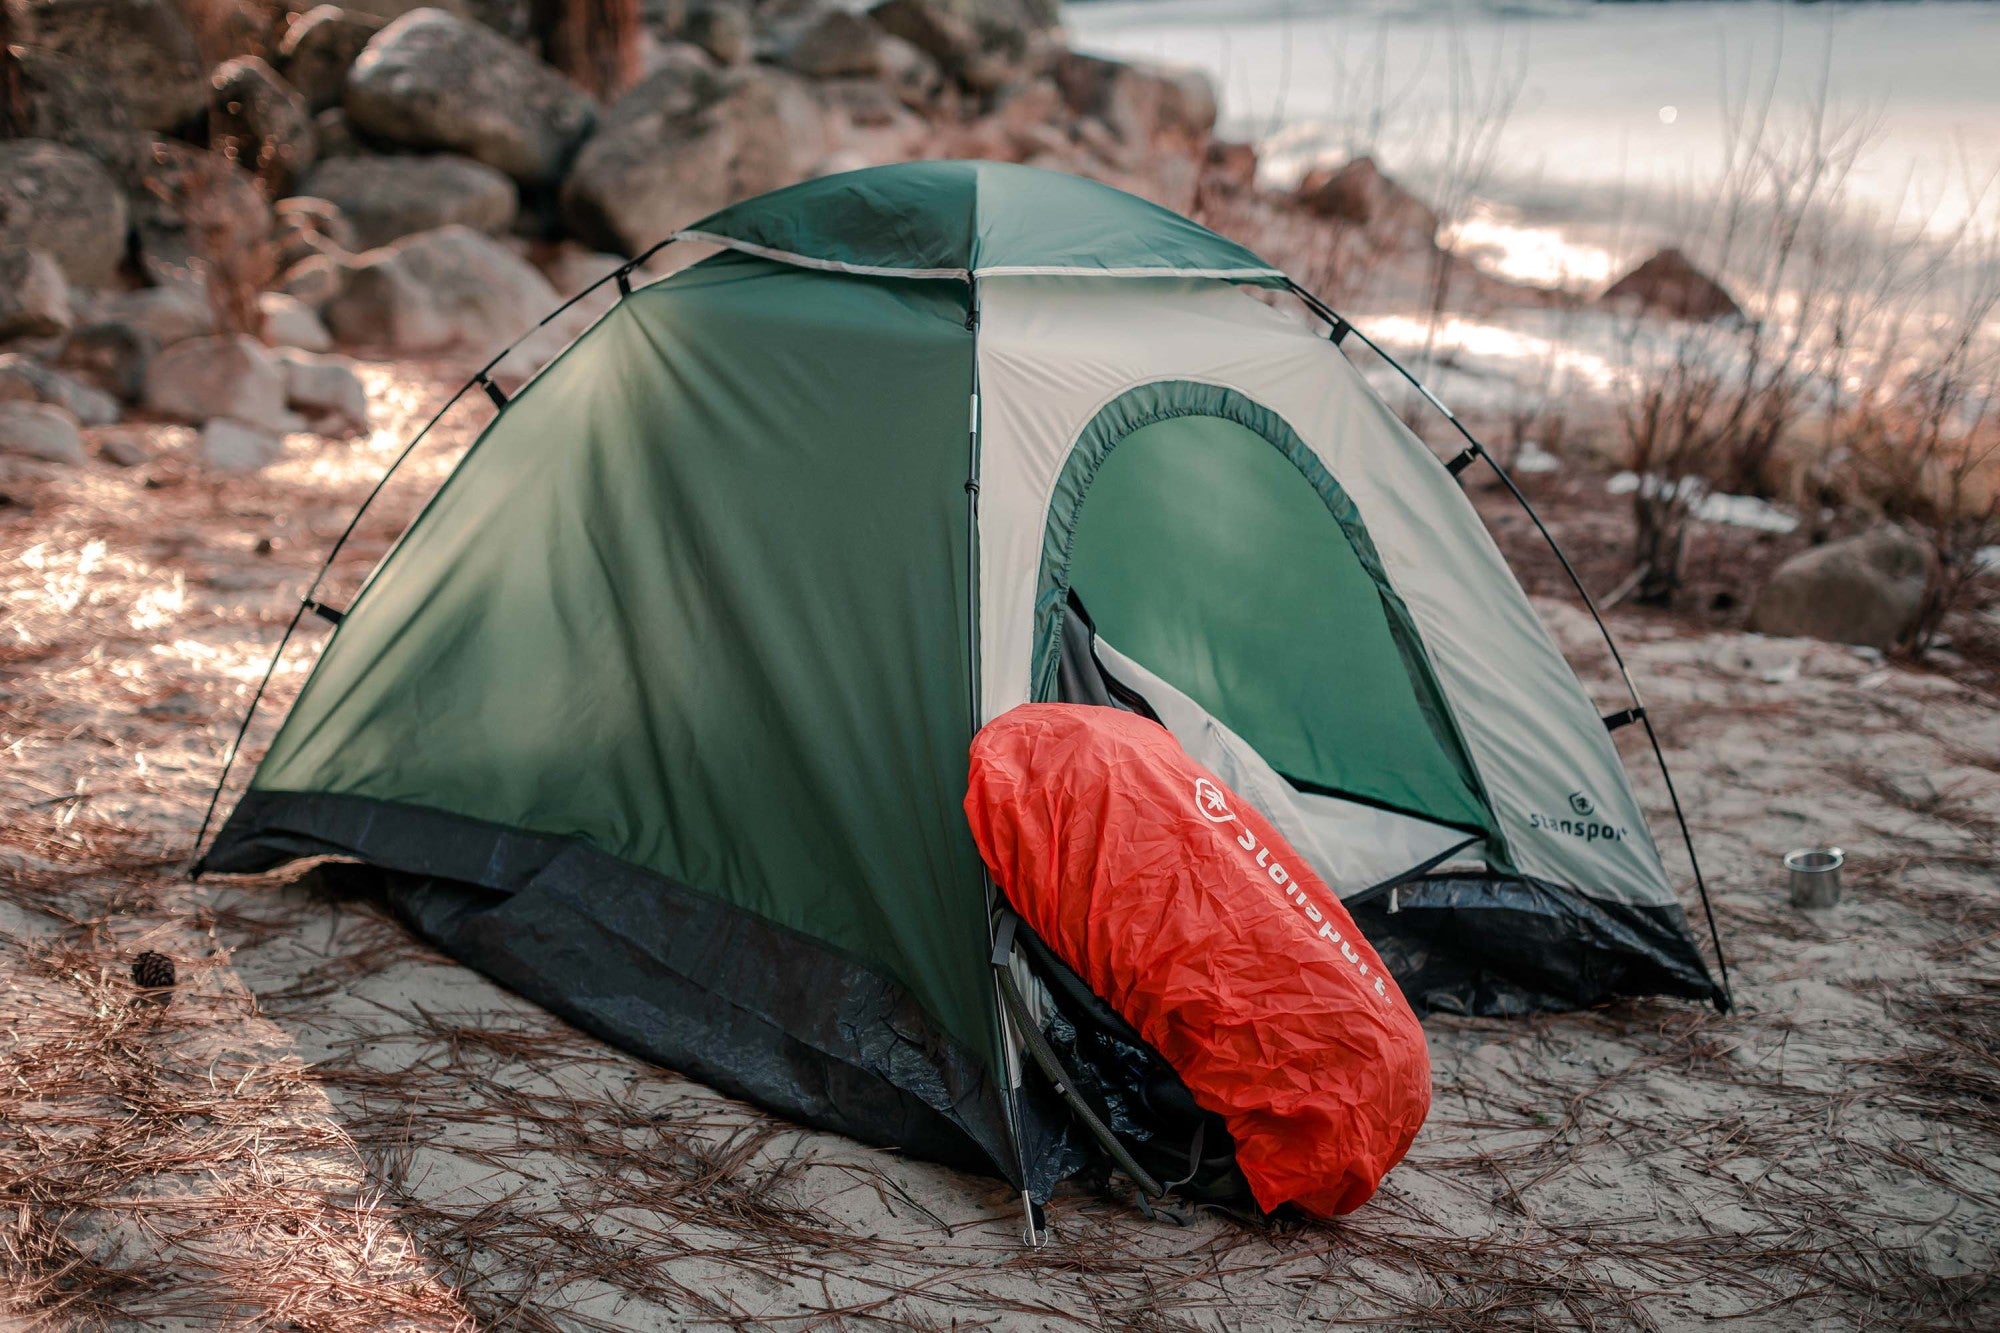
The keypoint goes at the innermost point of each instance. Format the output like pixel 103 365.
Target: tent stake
pixel 1474 449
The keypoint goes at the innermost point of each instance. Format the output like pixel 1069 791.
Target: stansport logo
pixel 1582 822
pixel 1212 805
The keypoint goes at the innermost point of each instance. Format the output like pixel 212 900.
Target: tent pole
pixel 622 276
pixel 1476 450
pixel 1033 1231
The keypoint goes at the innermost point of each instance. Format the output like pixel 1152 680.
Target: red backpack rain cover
pixel 1190 916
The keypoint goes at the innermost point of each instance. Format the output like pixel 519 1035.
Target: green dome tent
pixel 659 712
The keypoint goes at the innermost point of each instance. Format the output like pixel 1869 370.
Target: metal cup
pixel 1814 874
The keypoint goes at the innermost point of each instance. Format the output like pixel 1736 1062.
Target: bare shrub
pixel 233 269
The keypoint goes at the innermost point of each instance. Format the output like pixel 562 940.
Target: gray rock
pixel 438 289
pixel 225 376
pixel 112 355
pixel 1863 590
pixel 166 314
pixel 430 80
pixel 336 135
pixel 24 379
pixel 836 45
pixel 909 73
pixel 940 34
pixel 238 446
pixel 142 48
pixel 325 387
pixel 682 144
pixel 67 101
pixel 1357 193
pixel 61 202
pixel 34 297
pixel 290 322
pixel 721 28
pixel 1669 284
pixel 320 48
pixel 1138 102
pixel 386 198
pixel 36 430
pixel 124 451
pixel 261 121
pixel 314 281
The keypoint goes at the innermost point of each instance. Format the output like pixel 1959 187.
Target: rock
pixel 314 281
pixel 113 356
pixel 319 49
pixel 61 202
pixel 325 387
pixel 290 322
pixel 1863 590
pixel 436 289
pixel 722 29
pixel 238 446
pixel 430 80
pixel 943 36
pixel 680 146
pixel 321 217
pixel 836 45
pixel 386 198
pixel 34 296
pixel 36 430
pixel 1231 166
pixel 193 209
pixel 909 73
pixel 142 48
pixel 336 136
pixel 124 451
pixel 67 101
pixel 1138 102
pixel 260 121
pixel 166 314
pixel 223 376
pixel 26 380
pixel 1358 194
pixel 1669 284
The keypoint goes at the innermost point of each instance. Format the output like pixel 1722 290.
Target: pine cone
pixel 152 970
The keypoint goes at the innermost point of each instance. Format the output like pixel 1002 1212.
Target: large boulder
pixel 438 289
pixel 1139 103
pixel 34 296
pixel 430 80
pixel 61 202
pixel 723 29
pixel 142 48
pixel 66 100
pixel 1669 284
pixel 684 143
pixel 1864 590
pixel 261 121
pixel 166 315
pixel 386 198
pixel 36 430
pixel 320 48
pixel 1358 194
pixel 26 380
pixel 834 45
pixel 225 376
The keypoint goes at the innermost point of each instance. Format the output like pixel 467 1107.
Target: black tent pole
pixel 1475 450
pixel 622 275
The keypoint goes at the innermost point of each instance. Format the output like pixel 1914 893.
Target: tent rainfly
pixel 659 712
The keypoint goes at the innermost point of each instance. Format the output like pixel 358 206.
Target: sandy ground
pixel 331 1127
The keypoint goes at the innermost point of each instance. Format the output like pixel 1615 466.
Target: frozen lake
pixel 1619 109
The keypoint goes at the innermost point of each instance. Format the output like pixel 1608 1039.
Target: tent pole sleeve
pixel 1475 448
pixel 619 275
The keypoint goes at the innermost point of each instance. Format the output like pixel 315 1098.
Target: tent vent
pixel 1464 460
pixel 1624 717
pixel 325 612
pixel 493 391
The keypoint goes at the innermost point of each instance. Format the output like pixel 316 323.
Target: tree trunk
pixel 594 42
